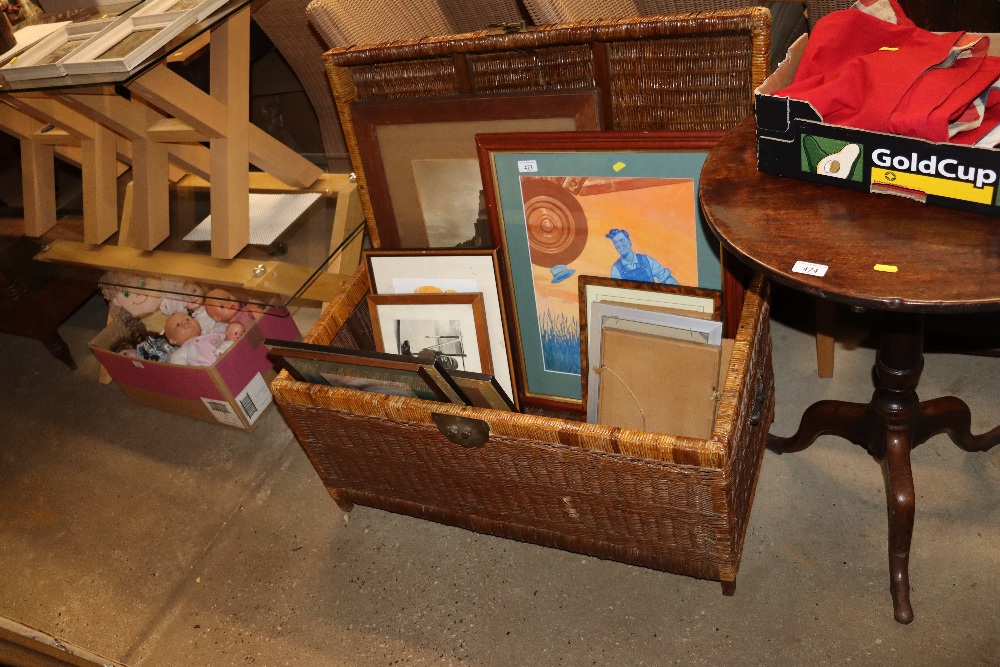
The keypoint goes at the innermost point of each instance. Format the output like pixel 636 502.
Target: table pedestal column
pixel 888 427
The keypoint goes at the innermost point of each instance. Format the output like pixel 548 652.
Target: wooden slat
pixel 100 187
pixel 132 120
pixel 328 185
pixel 38 186
pixel 180 99
pixel 277 277
pixel 826 324
pixel 25 646
pixel 230 87
pixel 173 130
pixel 190 51
pixel 150 196
pixel 99 149
pixel 54 136
pixel 346 218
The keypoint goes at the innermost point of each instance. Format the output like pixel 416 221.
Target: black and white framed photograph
pixel 448 328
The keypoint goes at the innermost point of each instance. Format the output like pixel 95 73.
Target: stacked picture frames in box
pixel 621 205
pixel 422 276
pixel 686 310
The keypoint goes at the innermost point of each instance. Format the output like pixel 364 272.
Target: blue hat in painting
pixel 561 272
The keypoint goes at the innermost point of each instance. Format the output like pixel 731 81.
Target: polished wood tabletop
pixel 946 260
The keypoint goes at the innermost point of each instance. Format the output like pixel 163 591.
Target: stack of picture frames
pixel 602 296
pixel 572 153
pixel 438 326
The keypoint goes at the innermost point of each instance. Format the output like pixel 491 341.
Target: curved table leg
pixel 901 502
pixel 889 426
pixel 851 421
pixel 952 416
pixel 58 348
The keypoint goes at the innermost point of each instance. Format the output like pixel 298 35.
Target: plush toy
pixel 155 347
pixel 194 348
pixel 130 296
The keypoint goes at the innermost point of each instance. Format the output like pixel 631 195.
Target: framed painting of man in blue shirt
pixel 562 205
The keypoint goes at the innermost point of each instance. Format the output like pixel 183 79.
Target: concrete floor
pixel 153 539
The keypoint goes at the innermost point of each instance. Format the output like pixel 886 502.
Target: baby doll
pixel 139 343
pixel 234 331
pixel 181 296
pixel 222 307
pixel 193 347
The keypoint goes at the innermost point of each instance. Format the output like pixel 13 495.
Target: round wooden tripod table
pixel 945 262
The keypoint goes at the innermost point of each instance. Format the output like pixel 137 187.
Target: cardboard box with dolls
pixel 190 349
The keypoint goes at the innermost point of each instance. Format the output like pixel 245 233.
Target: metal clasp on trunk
pixel 462 431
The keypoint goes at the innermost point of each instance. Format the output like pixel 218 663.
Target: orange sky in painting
pixel 661 223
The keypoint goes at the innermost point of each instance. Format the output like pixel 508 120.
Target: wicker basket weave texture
pixel 660 501
pixel 693 71
pixel 567 11
pixel 817 9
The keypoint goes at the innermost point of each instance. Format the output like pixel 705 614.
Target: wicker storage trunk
pixel 660 501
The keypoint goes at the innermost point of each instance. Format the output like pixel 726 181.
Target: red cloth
pixel 861 71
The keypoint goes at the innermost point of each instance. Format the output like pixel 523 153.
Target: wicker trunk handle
pixel 464 431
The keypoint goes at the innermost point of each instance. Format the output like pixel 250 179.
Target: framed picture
pixel 695 301
pixel 44 58
pixel 365 371
pixel 615 204
pixel 482 390
pixel 463 271
pixel 449 329
pixel 419 158
pixel 656 297
pixel 640 320
pixel 126 43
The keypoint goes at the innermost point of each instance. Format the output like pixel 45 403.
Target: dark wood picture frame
pixel 317 364
pixel 579 108
pixel 436 307
pixel 602 156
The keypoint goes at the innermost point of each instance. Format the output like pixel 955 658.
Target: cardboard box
pixel 793 141
pixel 233 391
